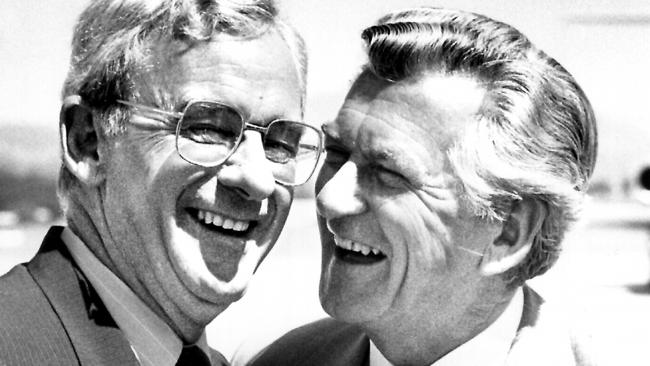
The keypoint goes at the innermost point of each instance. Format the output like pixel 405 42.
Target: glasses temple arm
pixel 151 109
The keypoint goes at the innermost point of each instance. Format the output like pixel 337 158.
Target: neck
pixel 88 223
pixel 85 226
pixel 437 331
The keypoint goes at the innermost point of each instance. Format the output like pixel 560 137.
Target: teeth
pixel 217 221
pixel 355 247
pixel 264 209
pixel 240 226
pixel 212 218
pixel 343 243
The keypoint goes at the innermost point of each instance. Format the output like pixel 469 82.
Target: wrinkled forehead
pixel 431 106
pixel 225 60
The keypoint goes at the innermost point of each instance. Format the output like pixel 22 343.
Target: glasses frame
pixel 245 126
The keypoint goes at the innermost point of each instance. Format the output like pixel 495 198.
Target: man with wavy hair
pixel 181 145
pixel 454 168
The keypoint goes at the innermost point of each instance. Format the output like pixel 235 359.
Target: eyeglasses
pixel 209 132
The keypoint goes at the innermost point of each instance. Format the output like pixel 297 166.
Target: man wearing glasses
pixel 180 148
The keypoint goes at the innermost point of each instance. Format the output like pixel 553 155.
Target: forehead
pixel 249 73
pixel 432 110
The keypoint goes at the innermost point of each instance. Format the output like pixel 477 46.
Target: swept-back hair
pixel 535 135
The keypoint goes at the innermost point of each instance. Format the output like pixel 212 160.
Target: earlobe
pixel 512 246
pixel 79 143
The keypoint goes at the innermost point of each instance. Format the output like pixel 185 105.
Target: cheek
pixel 144 181
pixel 281 200
pixel 147 158
pixel 282 197
pixel 140 154
pixel 153 149
pixel 413 230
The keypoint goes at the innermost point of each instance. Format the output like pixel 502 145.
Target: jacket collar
pixel 90 328
pixel 543 337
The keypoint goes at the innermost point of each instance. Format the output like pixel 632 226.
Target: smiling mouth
pixel 222 224
pixel 356 253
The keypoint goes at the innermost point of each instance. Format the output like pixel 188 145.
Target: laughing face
pixel 188 238
pixel 398 243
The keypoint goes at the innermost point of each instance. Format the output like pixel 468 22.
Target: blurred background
pixel 604 272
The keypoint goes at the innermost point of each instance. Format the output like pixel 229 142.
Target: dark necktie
pixel 193 356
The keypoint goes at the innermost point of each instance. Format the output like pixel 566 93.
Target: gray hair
pixel 111 39
pixel 535 135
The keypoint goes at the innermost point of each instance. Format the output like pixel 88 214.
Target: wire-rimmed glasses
pixel 209 132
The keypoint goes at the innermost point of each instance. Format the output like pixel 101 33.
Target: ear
pixel 512 246
pixel 79 142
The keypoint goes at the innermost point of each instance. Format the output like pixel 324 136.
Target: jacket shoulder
pixel 324 342
pixel 565 341
pixel 31 332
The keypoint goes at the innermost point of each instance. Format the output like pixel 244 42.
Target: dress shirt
pixel 153 342
pixel 488 348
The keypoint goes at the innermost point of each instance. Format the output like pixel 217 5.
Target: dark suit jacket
pixel 51 315
pixel 542 339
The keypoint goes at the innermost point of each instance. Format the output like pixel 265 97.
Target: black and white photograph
pixel 314 183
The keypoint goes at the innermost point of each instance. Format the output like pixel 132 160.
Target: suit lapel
pixel 90 328
pixel 326 342
pixel 356 353
pixel 217 359
pixel 345 345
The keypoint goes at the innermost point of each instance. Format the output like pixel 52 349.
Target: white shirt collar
pixel 152 340
pixel 488 348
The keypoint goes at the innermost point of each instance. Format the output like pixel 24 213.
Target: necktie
pixel 193 356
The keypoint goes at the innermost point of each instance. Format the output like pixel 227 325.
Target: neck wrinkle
pixel 85 217
pixel 81 221
pixel 430 339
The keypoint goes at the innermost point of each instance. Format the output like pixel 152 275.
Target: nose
pixel 340 196
pixel 248 171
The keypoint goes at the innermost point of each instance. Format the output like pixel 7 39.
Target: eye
pixel 279 151
pixel 210 123
pixel 282 141
pixel 389 176
pixel 207 133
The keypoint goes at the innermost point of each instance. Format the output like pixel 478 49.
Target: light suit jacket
pixel 542 339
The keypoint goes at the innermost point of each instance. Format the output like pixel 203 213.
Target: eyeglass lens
pixel 209 133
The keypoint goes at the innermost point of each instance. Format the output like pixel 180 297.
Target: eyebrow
pixel 398 158
pixel 384 153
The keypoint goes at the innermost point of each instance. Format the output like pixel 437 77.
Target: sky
pixel 608 59
pixel 35 37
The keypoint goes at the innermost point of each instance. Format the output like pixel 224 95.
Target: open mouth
pixel 357 253
pixel 222 224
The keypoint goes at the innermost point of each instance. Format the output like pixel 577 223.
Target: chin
pixel 218 275
pixel 355 288
pixel 350 307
